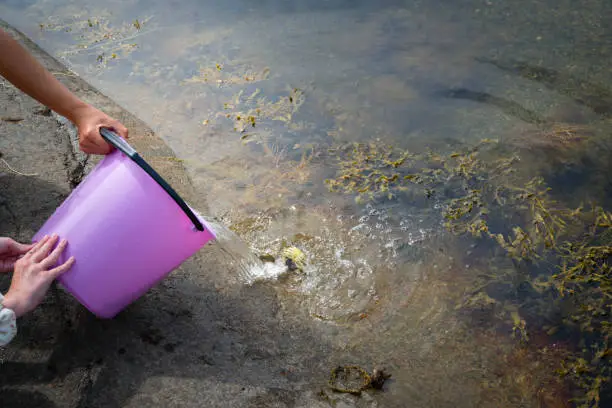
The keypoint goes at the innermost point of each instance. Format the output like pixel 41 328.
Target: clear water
pixel 365 71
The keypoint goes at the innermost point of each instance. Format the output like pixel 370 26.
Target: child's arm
pixel 26 73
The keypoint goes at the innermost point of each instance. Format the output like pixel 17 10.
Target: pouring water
pixel 238 252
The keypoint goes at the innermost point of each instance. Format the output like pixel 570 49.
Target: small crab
pixel 294 258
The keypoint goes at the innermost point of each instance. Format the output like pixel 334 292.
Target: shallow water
pixel 417 75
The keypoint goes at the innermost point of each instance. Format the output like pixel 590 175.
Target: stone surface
pixel 195 340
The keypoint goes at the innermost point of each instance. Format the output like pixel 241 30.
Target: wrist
pixel 12 303
pixel 76 111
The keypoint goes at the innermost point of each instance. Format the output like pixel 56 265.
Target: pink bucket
pixel 127 229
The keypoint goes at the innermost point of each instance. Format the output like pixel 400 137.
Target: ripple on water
pixel 344 254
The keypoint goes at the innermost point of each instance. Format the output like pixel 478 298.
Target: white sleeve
pixel 8 324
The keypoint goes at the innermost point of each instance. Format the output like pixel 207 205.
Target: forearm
pixel 26 73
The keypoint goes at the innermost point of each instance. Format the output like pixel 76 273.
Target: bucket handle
pixel 120 143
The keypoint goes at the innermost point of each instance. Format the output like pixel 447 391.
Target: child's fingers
pixel 19 248
pixel 43 251
pixel 54 256
pixel 56 272
pixel 37 246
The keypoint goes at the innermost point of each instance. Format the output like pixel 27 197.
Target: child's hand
pixel 10 252
pixel 33 275
pixel 89 121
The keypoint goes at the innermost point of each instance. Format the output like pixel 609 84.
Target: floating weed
pixel 99 37
pixel 519 327
pixel 222 75
pixel 370 170
pixel 294 258
pixel 247 110
pixel 558 137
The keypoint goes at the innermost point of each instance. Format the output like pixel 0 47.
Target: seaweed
pixel 247 110
pixel 560 256
pixel 354 380
pixel 221 76
pixel 99 36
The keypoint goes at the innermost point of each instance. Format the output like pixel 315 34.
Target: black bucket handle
pixel 121 144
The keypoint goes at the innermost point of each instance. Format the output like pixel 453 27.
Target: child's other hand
pixel 33 275
pixel 10 252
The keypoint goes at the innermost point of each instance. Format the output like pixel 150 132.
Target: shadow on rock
pixel 20 398
pixel 25 204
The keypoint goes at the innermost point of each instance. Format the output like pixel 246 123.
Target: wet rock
pixel 378 378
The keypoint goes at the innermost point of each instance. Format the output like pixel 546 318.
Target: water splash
pixel 250 268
